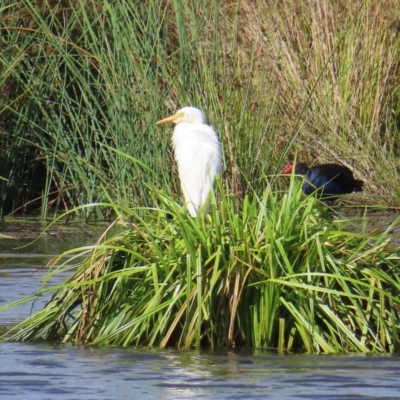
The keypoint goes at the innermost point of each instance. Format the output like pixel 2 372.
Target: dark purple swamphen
pixel 331 180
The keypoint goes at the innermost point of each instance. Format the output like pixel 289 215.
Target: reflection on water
pixel 45 371
pixel 38 371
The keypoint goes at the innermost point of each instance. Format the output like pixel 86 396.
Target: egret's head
pixel 191 115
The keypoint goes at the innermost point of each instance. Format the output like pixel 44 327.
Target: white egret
pixel 198 154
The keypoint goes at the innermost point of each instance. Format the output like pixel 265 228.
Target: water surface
pixel 43 371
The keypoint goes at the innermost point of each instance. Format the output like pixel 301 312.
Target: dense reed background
pixel 83 82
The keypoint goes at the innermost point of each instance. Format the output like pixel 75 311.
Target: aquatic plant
pixel 270 272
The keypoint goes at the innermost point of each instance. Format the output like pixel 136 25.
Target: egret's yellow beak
pixel 169 119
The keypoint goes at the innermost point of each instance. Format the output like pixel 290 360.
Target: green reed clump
pixel 272 271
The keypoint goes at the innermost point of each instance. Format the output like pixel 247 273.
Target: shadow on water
pixel 46 371
pixel 23 260
pixel 373 220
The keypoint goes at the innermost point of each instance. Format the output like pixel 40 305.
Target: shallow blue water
pixel 34 371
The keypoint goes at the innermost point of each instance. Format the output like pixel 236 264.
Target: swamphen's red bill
pixel 288 170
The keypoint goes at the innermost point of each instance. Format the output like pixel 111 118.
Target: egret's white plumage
pixel 198 154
